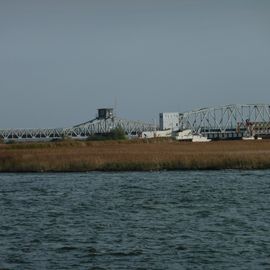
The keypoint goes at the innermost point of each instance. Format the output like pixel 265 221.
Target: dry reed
pixel 140 155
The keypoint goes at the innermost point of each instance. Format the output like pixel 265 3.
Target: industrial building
pixel 169 120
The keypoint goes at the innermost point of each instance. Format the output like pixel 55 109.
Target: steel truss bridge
pixel 81 131
pixel 229 121
pixel 223 122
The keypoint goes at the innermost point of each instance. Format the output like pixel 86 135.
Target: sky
pixel 60 60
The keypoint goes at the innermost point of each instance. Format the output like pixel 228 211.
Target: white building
pixel 169 120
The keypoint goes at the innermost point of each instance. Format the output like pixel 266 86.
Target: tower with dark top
pixel 105 113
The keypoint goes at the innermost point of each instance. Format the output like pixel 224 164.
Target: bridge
pixel 222 122
pixel 105 122
pixel 229 121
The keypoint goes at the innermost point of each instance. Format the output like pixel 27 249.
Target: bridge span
pixel 228 121
pixel 105 122
pixel 223 122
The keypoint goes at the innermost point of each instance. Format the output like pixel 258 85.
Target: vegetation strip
pixel 138 155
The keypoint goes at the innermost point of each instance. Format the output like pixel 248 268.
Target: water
pixel 166 220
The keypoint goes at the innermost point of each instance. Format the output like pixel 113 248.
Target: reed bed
pixel 139 155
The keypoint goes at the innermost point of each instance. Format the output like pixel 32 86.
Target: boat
pixel 248 138
pixel 187 135
pixel 200 138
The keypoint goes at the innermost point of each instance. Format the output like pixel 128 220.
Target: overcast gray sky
pixel 61 60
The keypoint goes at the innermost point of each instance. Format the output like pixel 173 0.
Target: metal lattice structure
pixel 102 126
pixel 229 121
pixel 237 120
pixel 81 131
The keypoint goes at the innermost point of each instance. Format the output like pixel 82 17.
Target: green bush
pixel 117 133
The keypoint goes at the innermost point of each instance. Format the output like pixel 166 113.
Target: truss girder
pixel 227 118
pixel 79 131
pixel 223 119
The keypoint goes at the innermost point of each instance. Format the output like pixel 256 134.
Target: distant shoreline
pixel 139 155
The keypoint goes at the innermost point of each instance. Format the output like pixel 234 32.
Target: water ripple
pixel 158 220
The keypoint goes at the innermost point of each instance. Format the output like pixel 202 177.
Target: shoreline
pixel 139 155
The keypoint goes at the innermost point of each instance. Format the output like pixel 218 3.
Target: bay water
pixel 135 220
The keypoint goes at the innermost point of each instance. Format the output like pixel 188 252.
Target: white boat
pixel 200 138
pixel 187 135
pixel 248 138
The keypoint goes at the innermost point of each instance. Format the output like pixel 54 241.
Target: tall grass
pixel 140 155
